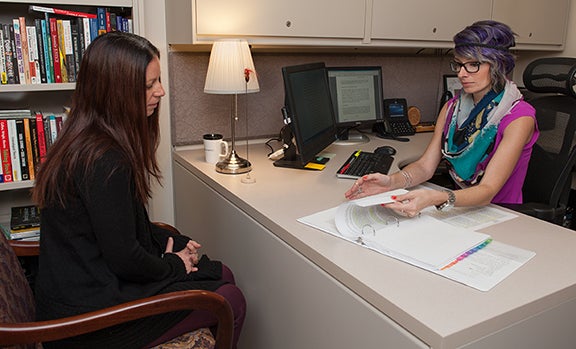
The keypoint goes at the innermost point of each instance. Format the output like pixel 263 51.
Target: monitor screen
pixel 309 108
pixel 357 96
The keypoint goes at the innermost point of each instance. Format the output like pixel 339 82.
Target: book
pixel 22 152
pixel 41 136
pixel 17 45
pixel 101 20
pixel 25 50
pixel 28 148
pixel 3 76
pixel 41 53
pixel 55 49
pixel 58 11
pixel 47 44
pixel 33 58
pixel 11 70
pixel 5 151
pixel 24 217
pixel 62 51
pixel 68 50
pixel 14 153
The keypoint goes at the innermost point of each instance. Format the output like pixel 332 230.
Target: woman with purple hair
pixel 485 132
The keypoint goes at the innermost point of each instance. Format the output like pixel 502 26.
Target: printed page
pixel 424 241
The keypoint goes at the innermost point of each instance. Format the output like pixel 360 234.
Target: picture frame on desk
pixel 451 84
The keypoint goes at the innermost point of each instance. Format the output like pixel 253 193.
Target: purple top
pixel 511 192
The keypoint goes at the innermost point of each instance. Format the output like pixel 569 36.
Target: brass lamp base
pixel 233 164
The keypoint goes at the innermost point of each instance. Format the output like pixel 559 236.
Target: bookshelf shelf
pixel 16 185
pixel 68 86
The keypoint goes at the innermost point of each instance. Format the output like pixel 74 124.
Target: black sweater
pixel 102 250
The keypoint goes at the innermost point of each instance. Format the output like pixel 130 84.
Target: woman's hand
pixel 188 255
pixel 367 185
pixel 411 203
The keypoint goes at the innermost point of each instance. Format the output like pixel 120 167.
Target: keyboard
pixel 401 128
pixel 361 163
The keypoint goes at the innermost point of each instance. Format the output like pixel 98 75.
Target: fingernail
pixel 393 197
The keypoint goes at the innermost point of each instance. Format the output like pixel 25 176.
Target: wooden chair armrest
pixel 25 248
pixel 167 227
pixel 42 331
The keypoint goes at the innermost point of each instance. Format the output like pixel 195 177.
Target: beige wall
pixel 416 78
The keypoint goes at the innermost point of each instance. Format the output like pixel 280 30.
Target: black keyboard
pixel 361 163
pixel 402 128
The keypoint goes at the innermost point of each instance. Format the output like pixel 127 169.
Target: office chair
pixel 548 182
pixel 18 329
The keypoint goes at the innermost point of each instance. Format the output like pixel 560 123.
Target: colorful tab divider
pixel 468 253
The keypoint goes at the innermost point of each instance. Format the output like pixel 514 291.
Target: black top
pixel 102 250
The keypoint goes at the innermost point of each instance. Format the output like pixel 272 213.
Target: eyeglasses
pixel 470 67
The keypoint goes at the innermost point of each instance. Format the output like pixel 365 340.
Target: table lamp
pixel 231 71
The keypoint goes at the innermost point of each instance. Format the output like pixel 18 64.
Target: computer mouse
pixel 385 149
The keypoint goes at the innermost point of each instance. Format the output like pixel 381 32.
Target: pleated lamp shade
pixel 229 60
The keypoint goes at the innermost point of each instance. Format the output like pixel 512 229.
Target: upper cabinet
pixel 541 25
pixel 281 19
pixel 421 20
pixel 537 23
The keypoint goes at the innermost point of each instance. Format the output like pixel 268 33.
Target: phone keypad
pixel 402 128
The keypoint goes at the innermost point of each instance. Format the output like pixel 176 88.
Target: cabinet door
pixel 421 20
pixel 295 18
pixel 535 21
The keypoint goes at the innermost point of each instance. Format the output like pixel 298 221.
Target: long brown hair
pixel 108 111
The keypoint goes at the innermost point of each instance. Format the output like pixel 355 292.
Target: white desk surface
pixel 441 312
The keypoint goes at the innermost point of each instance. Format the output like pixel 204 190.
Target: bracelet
pixel 407 178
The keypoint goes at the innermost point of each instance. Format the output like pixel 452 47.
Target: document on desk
pixel 457 253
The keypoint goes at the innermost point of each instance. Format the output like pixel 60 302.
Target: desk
pixel 308 289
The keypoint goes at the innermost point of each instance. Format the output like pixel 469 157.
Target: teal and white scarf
pixel 471 129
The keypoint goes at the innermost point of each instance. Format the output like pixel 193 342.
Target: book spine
pixel 62 51
pixel 68 50
pixel 18 50
pixel 34 62
pixel 24 170
pixel 25 50
pixel 28 148
pixel 41 54
pixel 101 13
pixel 93 28
pixel 41 136
pixel 55 50
pixel 17 235
pixel 35 146
pixel 46 41
pixel 78 41
pixel 8 54
pixel 14 153
pixel 3 76
pixel 58 11
pixel 53 128
pixel 87 32
pixel 5 151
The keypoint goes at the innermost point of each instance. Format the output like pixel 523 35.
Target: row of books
pixel 24 223
pixel 50 49
pixel 25 137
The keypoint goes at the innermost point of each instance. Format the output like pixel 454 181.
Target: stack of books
pixel 24 223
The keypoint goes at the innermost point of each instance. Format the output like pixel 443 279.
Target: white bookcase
pixel 48 98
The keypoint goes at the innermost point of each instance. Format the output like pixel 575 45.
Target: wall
pixel 194 113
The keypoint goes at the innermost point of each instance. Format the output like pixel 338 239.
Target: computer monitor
pixel 357 98
pixel 308 107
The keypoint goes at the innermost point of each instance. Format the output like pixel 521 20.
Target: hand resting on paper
pixel 408 204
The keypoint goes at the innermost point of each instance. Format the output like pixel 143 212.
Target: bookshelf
pixel 46 97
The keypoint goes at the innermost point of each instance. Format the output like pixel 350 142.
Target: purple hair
pixel 488 41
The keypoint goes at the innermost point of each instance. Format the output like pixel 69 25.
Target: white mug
pixel 214 147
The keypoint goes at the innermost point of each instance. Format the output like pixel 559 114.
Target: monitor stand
pixel 351 138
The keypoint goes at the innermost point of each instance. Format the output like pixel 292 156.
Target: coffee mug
pixel 214 147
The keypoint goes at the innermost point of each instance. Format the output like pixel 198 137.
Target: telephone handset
pixel 396 122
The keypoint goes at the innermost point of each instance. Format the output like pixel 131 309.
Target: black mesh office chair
pixel 546 191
